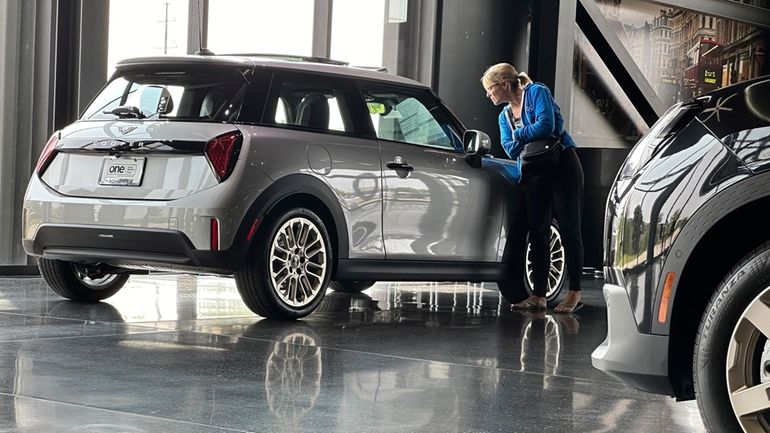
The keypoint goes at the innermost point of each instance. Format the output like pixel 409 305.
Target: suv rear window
pixel 183 93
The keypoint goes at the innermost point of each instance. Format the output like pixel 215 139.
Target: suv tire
pixel 288 269
pixel 69 280
pixel 351 286
pixel 726 332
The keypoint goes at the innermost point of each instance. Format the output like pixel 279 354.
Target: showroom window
pixel 601 115
pixel 261 26
pixel 357 31
pixel 705 52
pixel 152 29
pixel 394 34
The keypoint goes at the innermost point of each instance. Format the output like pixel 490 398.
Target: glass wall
pixel 146 29
pixel 684 53
pixel 601 115
pixel 261 26
pixel 357 31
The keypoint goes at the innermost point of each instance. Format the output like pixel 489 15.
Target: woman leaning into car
pixel 530 115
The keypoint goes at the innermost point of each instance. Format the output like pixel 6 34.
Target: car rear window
pixel 182 93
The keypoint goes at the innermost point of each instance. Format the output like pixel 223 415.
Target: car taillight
pixel 222 152
pixel 49 151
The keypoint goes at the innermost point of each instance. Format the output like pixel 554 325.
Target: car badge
pixel 719 106
pixel 109 143
pixel 126 129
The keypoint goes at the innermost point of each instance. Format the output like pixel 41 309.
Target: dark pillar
pixel 542 42
pixel 471 37
pixel 82 37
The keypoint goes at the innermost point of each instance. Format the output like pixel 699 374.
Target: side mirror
pixel 476 143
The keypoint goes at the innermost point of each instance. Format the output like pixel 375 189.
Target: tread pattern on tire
pixel 723 297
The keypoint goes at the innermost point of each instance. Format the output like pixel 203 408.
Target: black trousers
pixel 568 203
pixel 547 188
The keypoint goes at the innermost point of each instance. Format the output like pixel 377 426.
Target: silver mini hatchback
pixel 293 175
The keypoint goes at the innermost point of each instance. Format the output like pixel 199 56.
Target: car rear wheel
pixel 80 282
pixel 351 286
pixel 732 354
pixel 557 271
pixel 288 269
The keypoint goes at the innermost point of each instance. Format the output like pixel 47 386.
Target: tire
pixel 729 335
pixel 70 280
pixel 557 273
pixel 280 280
pixel 351 286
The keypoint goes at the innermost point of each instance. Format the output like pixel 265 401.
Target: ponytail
pixel 502 72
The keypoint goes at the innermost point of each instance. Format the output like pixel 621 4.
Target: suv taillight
pixel 49 151
pixel 222 152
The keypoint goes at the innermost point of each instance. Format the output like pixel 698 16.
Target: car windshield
pixel 183 93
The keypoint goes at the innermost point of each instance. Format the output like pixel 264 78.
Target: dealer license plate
pixel 122 171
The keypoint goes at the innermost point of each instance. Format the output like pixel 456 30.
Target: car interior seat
pixel 313 111
pixel 211 103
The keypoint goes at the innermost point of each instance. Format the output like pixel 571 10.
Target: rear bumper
pixel 130 247
pixel 639 360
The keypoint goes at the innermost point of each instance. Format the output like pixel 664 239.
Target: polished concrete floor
pixel 183 354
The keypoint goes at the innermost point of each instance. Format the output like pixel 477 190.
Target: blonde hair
pixel 503 72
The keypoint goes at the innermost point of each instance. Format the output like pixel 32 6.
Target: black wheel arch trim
pixel 739 195
pixel 280 190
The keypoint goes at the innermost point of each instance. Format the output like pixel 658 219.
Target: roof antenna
pixel 201 50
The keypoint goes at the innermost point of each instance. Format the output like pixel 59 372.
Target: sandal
pixel 568 308
pixel 528 305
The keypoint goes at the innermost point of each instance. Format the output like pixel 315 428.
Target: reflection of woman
pixel 530 115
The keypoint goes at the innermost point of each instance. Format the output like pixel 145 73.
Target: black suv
pixel 687 259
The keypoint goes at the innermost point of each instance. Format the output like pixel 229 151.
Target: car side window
pixel 306 103
pixel 751 145
pixel 410 117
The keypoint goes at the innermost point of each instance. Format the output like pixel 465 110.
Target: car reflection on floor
pixel 397 357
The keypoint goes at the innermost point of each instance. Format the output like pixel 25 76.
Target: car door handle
pixel 398 163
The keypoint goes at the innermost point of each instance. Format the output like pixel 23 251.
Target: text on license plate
pixel 122 171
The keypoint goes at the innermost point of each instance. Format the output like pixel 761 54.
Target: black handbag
pixel 538 153
pixel 541 153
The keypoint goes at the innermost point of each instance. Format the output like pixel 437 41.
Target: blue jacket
pixel 541 118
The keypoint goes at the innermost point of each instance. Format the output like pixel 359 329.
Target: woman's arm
pixel 511 146
pixel 543 123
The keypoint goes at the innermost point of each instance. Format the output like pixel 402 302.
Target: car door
pixel 436 206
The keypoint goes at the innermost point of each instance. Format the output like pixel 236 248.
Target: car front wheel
pixel 288 269
pixel 732 354
pixel 80 282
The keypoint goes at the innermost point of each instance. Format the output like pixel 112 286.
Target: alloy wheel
pixel 556 271
pixel 748 366
pixel 298 262
pixel 96 283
